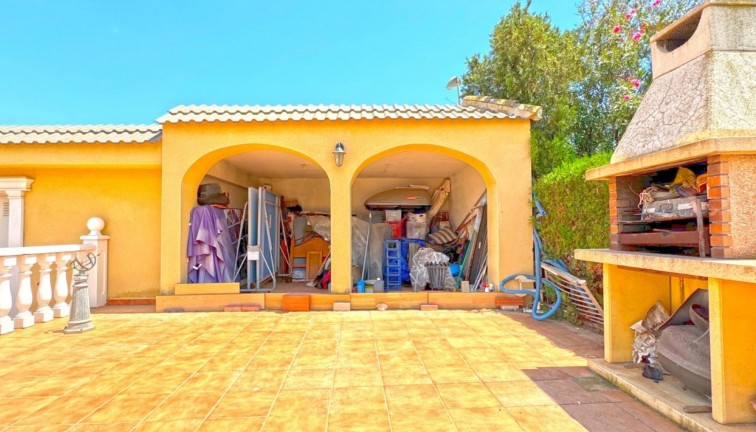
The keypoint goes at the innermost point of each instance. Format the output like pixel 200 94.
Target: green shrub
pixel 577 215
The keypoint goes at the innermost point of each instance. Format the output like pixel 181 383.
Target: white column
pixel 16 217
pixel 24 297
pixel 44 312
pixel 61 308
pixel 7 265
pixel 98 276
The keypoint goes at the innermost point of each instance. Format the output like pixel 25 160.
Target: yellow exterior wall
pixel 498 150
pixel 70 187
pixel 466 188
pixel 733 350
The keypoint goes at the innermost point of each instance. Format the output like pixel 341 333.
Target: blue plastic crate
pixel 392 262
pixel 393 283
pixel 392 271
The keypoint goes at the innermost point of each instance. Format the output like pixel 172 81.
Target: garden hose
pixel 537 278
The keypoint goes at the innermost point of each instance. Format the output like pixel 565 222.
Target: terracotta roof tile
pixel 80 134
pixel 257 113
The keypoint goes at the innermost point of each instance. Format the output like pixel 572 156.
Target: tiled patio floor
pixel 366 371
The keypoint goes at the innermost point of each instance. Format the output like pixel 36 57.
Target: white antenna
pixel 454 82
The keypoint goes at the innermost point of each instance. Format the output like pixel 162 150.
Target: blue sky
pixel 76 61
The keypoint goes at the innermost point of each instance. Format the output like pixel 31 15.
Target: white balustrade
pixel 18 296
pixel 62 289
pixel 44 312
pixel 24 297
pixel 7 264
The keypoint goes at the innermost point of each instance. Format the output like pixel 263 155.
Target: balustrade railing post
pixel 44 312
pixel 98 276
pixel 24 297
pixel 62 289
pixel 7 265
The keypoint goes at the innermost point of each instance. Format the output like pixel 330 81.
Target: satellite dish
pixel 453 82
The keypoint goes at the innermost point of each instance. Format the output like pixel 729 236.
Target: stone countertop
pixel 743 270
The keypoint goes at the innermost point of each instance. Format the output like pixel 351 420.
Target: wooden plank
pixel 324 302
pixel 661 238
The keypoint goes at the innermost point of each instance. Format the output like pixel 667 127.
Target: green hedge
pixel 577 215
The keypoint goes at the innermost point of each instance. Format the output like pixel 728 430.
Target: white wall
pixel 314 195
pixel 466 188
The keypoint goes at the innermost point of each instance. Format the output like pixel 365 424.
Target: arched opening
pixel 428 214
pixel 249 210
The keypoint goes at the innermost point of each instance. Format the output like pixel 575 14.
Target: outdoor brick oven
pixel 699 114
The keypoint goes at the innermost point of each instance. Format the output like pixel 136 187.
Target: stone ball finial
pixel 95 225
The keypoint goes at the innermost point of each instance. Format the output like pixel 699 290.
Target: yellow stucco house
pixel 143 180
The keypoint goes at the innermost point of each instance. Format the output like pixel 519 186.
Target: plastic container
pixel 393 215
pixel 396 228
pixel 361 286
pixel 417 230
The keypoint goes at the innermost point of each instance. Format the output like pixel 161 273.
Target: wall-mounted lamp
pixel 338 154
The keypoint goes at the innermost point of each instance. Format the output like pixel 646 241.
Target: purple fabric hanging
pixel 210 248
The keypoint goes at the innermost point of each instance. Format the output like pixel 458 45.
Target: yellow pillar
pixel 628 295
pixel 733 350
pixel 341 229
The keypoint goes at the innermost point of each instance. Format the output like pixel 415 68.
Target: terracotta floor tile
pixel 134 366
pixel 108 427
pixel 354 377
pixel 357 399
pixel 244 404
pixel 104 385
pixel 649 417
pixel 545 373
pixel 270 362
pixel 298 423
pixel 565 391
pixel 493 419
pixel 467 395
pixel 125 408
pixel 85 368
pixel 50 386
pixel 315 361
pixel 38 428
pixel 158 381
pixel 409 397
pixel 183 406
pixel 224 362
pixel 396 375
pixel 172 426
pixel 180 365
pixel 519 393
pixel 421 420
pixel 309 378
pixel 452 374
pixel 605 417
pixel 295 402
pixel 214 382
pixel 259 379
pixel 17 408
pixel 498 372
pixel 64 410
pixel 545 419
pixel 238 424
pixel 363 421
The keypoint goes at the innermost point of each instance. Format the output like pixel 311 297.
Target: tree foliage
pixel 616 62
pixel 533 62
pixel 589 80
